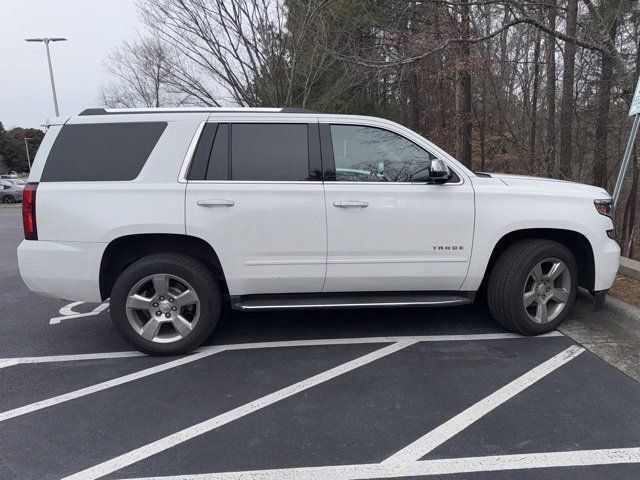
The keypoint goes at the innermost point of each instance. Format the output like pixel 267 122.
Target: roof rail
pixel 120 111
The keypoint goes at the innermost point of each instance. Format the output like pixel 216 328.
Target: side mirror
pixel 438 172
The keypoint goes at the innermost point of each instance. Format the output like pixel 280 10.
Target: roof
pixel 120 111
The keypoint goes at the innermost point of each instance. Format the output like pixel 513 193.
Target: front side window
pixel 369 154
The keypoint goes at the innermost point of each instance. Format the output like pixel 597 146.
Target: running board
pixel 350 300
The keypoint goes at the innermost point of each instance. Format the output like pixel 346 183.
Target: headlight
pixel 604 206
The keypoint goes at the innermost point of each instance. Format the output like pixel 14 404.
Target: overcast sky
pixel 93 28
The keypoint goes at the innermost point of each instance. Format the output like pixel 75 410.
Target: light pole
pixel 53 85
pixel 26 147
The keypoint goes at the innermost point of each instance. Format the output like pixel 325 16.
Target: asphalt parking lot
pixel 402 393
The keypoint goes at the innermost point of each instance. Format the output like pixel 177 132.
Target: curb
pixel 622 308
pixel 629 313
pixel 629 267
pixel 612 333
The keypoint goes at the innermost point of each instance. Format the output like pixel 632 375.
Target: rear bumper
pixel 64 270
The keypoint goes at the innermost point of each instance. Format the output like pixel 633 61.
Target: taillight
pixel 29 211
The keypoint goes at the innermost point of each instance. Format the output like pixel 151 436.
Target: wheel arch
pixel 123 251
pixel 574 241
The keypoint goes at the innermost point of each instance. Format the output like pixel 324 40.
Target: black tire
pixel 8 199
pixel 185 267
pixel 508 279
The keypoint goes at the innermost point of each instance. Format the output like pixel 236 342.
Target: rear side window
pixel 218 168
pixel 101 152
pixel 269 152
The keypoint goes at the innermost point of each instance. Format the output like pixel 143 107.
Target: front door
pixel 388 230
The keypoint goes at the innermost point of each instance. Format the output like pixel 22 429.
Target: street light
pixel 53 85
pixel 26 147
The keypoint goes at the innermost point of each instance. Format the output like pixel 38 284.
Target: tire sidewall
pixel 516 289
pixel 204 285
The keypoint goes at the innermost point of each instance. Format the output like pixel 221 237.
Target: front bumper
pixel 64 270
pixel 607 260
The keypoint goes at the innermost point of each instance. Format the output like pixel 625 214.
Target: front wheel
pixel 9 199
pixel 166 304
pixel 532 286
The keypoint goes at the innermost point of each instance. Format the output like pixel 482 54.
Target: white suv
pixel 170 213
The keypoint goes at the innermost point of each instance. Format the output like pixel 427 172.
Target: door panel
pixel 409 237
pixel 272 239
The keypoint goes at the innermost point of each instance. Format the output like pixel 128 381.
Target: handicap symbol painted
pixel 68 313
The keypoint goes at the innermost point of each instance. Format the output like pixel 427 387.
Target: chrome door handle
pixel 350 204
pixel 216 203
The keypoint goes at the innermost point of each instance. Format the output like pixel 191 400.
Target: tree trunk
pixel 629 217
pixel 534 101
pixel 600 159
pixel 551 85
pixel 463 92
pixel 568 79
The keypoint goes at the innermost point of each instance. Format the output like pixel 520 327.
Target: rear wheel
pixel 9 199
pixel 166 303
pixel 532 286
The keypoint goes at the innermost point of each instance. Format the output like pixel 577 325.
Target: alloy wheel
pixel 163 308
pixel 547 290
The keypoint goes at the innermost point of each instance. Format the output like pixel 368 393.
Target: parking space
pixel 402 393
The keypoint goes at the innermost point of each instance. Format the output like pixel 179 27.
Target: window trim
pixel 315 157
pixel 329 165
pixel 191 150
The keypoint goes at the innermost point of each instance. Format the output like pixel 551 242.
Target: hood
pixel 550 184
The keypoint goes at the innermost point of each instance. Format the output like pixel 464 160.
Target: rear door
pixel 255 194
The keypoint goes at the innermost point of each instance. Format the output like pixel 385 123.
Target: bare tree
pixel 534 99
pixel 463 89
pixel 551 84
pixel 568 79
pixel 141 72
pixel 238 51
pixel 605 84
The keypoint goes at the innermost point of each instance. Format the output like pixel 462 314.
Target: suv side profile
pixel 169 213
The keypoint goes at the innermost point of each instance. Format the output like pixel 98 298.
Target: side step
pixel 350 300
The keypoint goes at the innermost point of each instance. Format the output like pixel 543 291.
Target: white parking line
pixel 7 362
pixel 210 350
pixel 455 425
pixel 188 433
pixel 579 458
pixel 104 385
pixel 407 455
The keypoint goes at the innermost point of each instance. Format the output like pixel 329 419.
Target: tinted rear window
pixel 273 152
pixel 101 152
